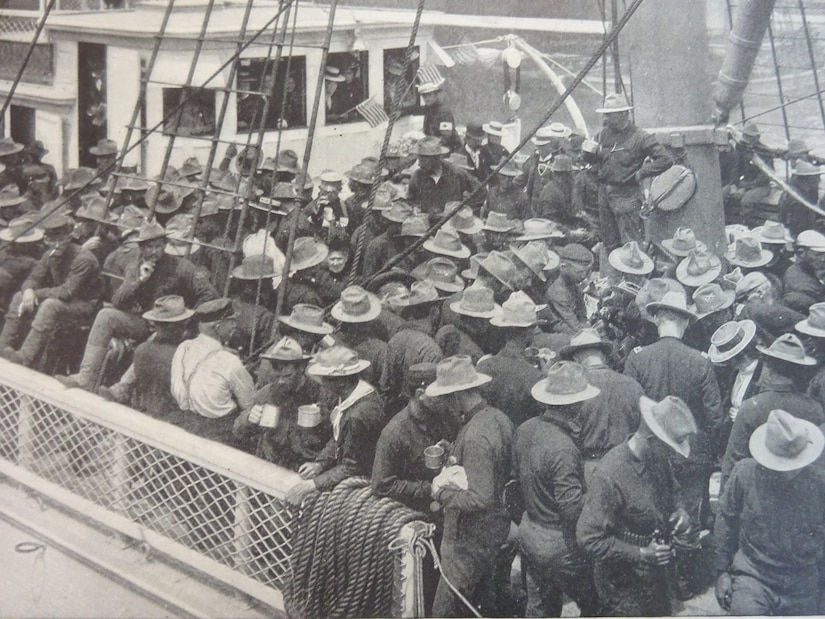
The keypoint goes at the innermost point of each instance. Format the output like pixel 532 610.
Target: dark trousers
pixel 619 219
pixel 628 590
pixel 757 592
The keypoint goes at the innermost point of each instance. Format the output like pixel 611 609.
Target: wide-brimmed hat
pixel 749 283
pixel 499 222
pixel 416 225
pixel 747 252
pixel 287 161
pixel 130 183
pixel 772 233
pixel 472 271
pixel 308 318
pixel 256 266
pixel 397 212
pixel 21 230
pixel 464 221
pixel 585 339
pixel 674 301
pixel 517 311
pixel 9 147
pixel 455 374
pixel 215 310
pixel 493 128
pixel 356 305
pixel 95 209
pixel 149 231
pixel 812 240
pixel 442 272
pixel 333 74
pixel 81 177
pixel 785 442
pixel 788 347
pixel 336 361
pixel 167 199
pixel 363 172
pixel 561 163
pixel 104 147
pixel 474 130
pixel 629 258
pixel 536 229
pixel 614 102
pixel 307 252
pixel 653 290
pixel 805 168
pixel 477 302
pixel 797 148
pixel 711 298
pixel 10 196
pixel 191 167
pixel 170 308
pixel 510 169
pixel 446 242
pixel 536 257
pixel 670 421
pixel 730 339
pixel 500 266
pixel 285 349
pixel 565 383
pixel 131 218
pixel 683 242
pixel 421 293
pixel 430 147
pixel 814 324
pixel 544 135
pixel 58 222
pixel 700 267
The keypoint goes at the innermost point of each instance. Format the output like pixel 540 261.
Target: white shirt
pixel 209 380
pixel 740 386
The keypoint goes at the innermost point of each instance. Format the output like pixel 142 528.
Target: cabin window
pixel 195 117
pixel 345 86
pixel 399 85
pixel 258 77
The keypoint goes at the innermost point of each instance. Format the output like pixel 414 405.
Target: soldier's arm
pixel 726 527
pixel 386 473
pixel 478 458
pixel 657 159
pixel 598 519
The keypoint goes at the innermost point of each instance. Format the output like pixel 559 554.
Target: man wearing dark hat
pixel 470 488
pixel 507 195
pixel 357 417
pixel 565 297
pixel 64 287
pixel 40 186
pixel 770 525
pixel 483 155
pixel 288 443
pixel 608 418
pixel 437 182
pixel 785 375
pixel 549 467
pixel 669 367
pixel 628 155
pixel 154 274
pixel 209 381
pixel 632 511
pixel 35 152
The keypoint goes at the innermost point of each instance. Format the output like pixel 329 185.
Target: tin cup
pixel 309 415
pixel 270 414
pixel 434 457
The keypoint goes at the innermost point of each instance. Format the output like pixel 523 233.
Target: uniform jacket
pixel 566 310
pixel 431 196
pixel 509 391
pixel 626 152
pixel 611 416
pixel 801 288
pixel 74 275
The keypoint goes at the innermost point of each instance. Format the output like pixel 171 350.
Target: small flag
pixel 372 112
pixel 465 54
pixel 429 74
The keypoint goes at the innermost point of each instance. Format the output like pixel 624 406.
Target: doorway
pixel 91 99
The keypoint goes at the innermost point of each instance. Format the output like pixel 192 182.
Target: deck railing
pixel 211 507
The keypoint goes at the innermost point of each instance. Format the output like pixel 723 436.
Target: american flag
pixel 429 74
pixel 372 112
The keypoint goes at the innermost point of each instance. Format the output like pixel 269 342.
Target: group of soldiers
pixel 483 374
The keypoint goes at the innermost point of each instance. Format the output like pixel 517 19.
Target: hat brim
pixel 464 252
pixel 655 306
pixel 455 306
pixel 646 408
pixel 615 261
pixel 315 260
pixel 321 370
pixel 760 452
pixel 98 152
pixel 14 149
pixel 434 389
pixel 456 286
pixel 338 313
pixel 486 128
pixel 765 257
pixel 758 232
pixel 716 356
pixel 807 360
pixel 498 321
pixel 682 253
pixel 323 329
pixel 474 229
pixel 487 228
pixel 12 202
pixel 538 236
pixel 424 89
pixel 507 285
pixel 613 110
pixel 237 273
pixel 567 352
pixel 442 150
pixel 694 281
pixel 803 326
pixel 151 315
pixel 728 297
pixel 540 394
pixel 32 236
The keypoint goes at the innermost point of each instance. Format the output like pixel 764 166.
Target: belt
pixel 634 539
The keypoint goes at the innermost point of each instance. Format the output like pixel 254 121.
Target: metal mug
pixel 309 415
pixel 434 457
pixel 270 414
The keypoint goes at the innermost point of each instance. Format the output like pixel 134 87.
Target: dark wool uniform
pixel 512 202
pixel 801 288
pixel 549 466
pixel 754 412
pixel 431 196
pixel 792 213
pixel 379 252
pixel 406 348
pixel 369 348
pixel 566 311
pixel 509 391
pixel 769 534
pixel 625 153
pixel 627 500
pixel 554 200
pixel 772 319
pixel 488 157
pixel 453 340
pixel 475 521
pixel 153 379
pixel 585 193
pixel 436 114
pixel 301 290
pixel 13 272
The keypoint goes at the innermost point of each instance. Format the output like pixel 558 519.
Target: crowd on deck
pixel 535 377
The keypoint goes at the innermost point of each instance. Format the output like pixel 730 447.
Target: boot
pixel 32 347
pixel 90 368
pixel 10 335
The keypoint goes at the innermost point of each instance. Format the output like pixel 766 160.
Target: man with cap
pixel 287 443
pixel 628 155
pixel 470 487
pixel 549 142
pixel 609 417
pixel 512 375
pixel 438 117
pixel 549 467
pixel 357 417
pixel 154 274
pixel 632 512
pixel 802 284
pixel 356 312
pixel 669 367
pixel 565 297
pixel 770 522
pixel 437 181
pixel 63 288
pixel 805 180
pixel 22 249
pixel 40 186
pixel 785 374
